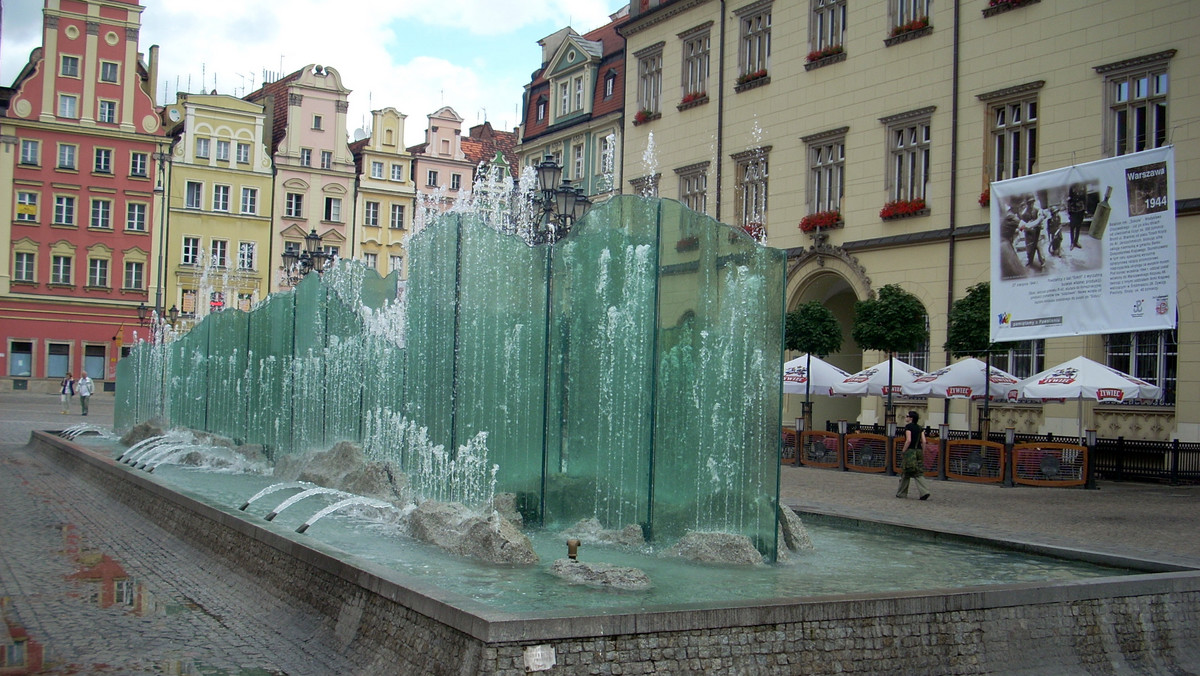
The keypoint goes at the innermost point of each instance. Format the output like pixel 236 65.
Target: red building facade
pixel 80 133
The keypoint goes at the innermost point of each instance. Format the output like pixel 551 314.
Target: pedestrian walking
pixel 84 388
pixel 912 467
pixel 66 390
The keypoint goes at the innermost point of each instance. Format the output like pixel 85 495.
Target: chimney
pixel 152 71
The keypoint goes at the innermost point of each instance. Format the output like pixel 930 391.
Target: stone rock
pixel 454 528
pixel 794 534
pixel 344 467
pixel 591 532
pixel 600 575
pixel 726 548
pixel 142 431
pixel 506 505
pixel 327 468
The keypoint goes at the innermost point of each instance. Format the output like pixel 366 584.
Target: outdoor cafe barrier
pixel 975 460
pixel 820 449
pixel 1050 464
pixel 931 454
pixel 866 452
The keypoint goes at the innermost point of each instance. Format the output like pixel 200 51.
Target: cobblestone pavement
pixel 170 609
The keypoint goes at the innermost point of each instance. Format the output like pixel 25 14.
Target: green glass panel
pixel 228 386
pixel 308 366
pixel 270 363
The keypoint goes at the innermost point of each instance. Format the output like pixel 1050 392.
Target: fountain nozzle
pixel 573 549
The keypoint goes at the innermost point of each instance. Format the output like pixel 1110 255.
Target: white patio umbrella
pixel 1081 378
pixel 874 380
pixel 807 374
pixel 965 380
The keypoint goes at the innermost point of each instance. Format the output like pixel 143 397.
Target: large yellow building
pixel 816 106
pixel 385 193
pixel 217 229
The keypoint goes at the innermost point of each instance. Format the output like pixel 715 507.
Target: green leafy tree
pixel 967 326
pixel 893 321
pixel 813 329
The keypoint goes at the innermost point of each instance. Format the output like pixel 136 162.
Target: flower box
pixel 914 25
pixel 917 28
pixel 751 77
pixel 818 54
pixel 903 209
pixel 692 99
pixel 822 220
pixel 985 197
pixel 834 57
pixel 1001 6
pixel 645 115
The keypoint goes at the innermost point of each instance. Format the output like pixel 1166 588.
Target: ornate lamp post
pixel 560 203
pixel 297 264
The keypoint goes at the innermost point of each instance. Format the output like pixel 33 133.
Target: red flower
pixel 914 25
pixel 818 54
pixel 900 208
pixel 642 116
pixel 821 219
pixel 985 197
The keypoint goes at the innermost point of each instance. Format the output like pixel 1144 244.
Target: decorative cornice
pixel 647 51
pixel 798 256
pixel 910 115
pixel 295 99
pixel 693 168
pixel 696 30
pixel 1136 61
pixel 753 152
pixel 342 106
pixel 753 7
pixel 825 135
pixel 93 28
pixel 657 16
pixel 131 33
pixel 1011 91
pixel 50 21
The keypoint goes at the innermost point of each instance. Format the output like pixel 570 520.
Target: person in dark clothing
pixel 1076 210
pixel 913 464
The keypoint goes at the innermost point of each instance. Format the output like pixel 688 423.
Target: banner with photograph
pixel 1086 249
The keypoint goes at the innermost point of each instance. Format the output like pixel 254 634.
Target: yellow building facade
pixel 216 252
pixel 385 193
pixel 893 117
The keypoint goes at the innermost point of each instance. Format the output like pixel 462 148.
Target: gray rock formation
pixel 506 505
pixel 454 528
pixel 345 468
pixel 142 431
pixel 600 574
pixel 725 548
pixel 793 534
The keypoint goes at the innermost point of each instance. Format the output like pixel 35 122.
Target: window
pixel 134 274
pixel 695 63
pixel 293 206
pixel 135 217
pixel 610 85
pixel 103 161
pixel 108 71
pixel 250 201
pixel 397 172
pixel 1136 96
pixel 220 200
pixel 58 359
pixel 397 220
pixel 377 170
pixel 191 251
pixel 646 186
pixel 333 209
pixel 564 98
pixel 1150 355
pixel 192 191
pixel 541 110
pixel 396 264
pixel 64 210
pixel 326 159
pixel 243 153
pixel 138 163
pixel 371 214
pixel 908 154
pixel 68 106
pixel 608 158
pixel 202 145
pixel 305 157
pixel 1012 120
pixel 94 357
pixel 826 168
pixel 827 27
pixel 755 41
pixel 220 253
pixel 1024 359
pixel 455 181
pixel 332 252
pixel 66 156
pixel 60 270
pixel 905 12
pixel 577 162
pixel 23 268
pixel 27 206
pixel 431 179
pixel 70 66
pixel 223 151
pixel 577 86
pixel 751 189
pixel 650 79
pixel 317 120
pixel 20 363
pixel 246 252
pixel 30 150
pixel 693 186
pixel 372 260
pixel 98 273
pixel 107 112
pixel 101 214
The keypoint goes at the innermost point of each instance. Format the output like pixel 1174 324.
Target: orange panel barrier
pixel 866 452
pixel 819 449
pixel 1050 464
pixel 975 460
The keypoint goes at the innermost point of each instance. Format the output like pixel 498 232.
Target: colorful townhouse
pixel 384 193
pixel 220 189
pixel 574 107
pixel 441 170
pixel 79 193
pixel 314 168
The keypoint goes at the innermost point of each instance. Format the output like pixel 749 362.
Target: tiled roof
pixel 483 142
pixel 278 89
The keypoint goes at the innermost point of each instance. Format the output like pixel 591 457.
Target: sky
pixel 472 55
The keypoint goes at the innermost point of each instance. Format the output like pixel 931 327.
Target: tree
pixel 813 329
pixel 893 321
pixel 967 333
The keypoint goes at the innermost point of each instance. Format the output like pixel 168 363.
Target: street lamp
pixel 560 203
pixel 297 264
pixel 163 190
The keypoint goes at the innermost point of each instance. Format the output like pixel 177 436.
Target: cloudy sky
pixel 413 55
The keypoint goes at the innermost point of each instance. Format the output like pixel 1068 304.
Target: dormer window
pixel 541 110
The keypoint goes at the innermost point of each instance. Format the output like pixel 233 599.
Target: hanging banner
pixel 1087 249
